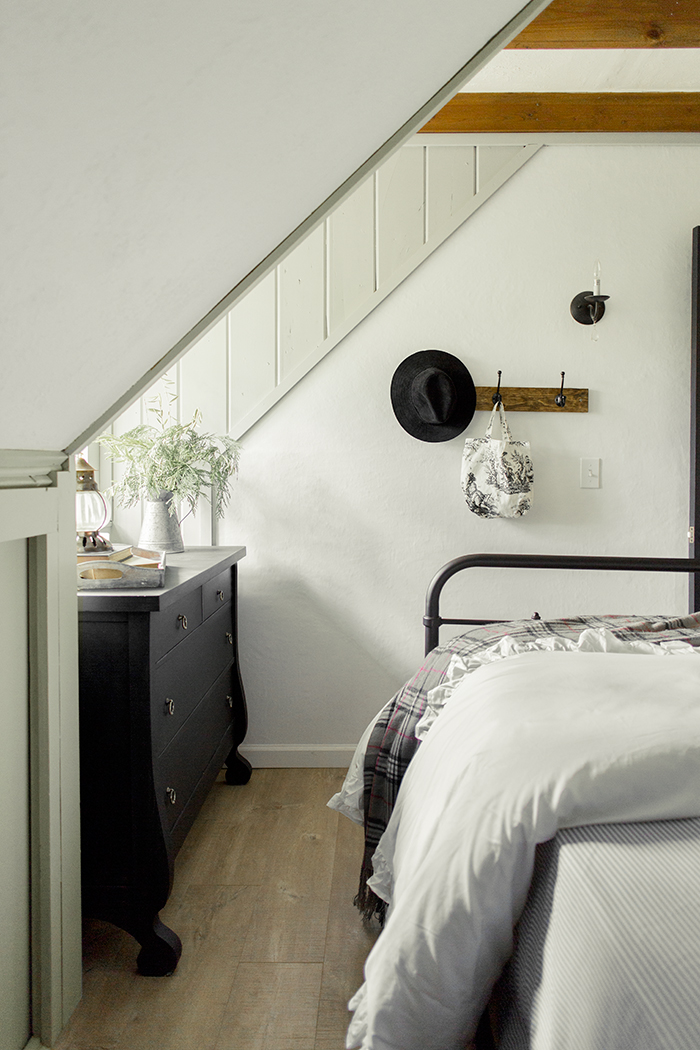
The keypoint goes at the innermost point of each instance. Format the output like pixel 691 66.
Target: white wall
pixel 346 517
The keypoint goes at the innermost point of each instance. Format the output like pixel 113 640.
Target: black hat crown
pixel 433 395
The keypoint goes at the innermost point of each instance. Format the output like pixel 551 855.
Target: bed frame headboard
pixel 432 621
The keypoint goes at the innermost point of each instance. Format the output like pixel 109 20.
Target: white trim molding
pixel 43 513
pixel 559 138
pixel 22 468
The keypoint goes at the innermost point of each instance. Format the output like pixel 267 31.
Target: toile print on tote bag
pixel 497 477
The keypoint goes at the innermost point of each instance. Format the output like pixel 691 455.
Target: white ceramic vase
pixel 160 530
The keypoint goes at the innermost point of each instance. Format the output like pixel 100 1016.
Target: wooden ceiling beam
pixel 613 23
pixel 551 112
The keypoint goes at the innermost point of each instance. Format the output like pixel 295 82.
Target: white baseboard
pixel 276 756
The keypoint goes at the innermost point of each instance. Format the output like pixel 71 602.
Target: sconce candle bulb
pixel 589 307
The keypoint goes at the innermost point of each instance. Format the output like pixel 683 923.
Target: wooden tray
pixel 131 567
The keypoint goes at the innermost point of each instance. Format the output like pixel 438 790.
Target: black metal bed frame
pixel 432 621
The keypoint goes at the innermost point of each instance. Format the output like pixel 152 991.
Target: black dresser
pixel 162 710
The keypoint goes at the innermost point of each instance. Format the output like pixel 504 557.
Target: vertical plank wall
pixel 319 292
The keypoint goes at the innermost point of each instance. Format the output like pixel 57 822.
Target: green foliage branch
pixel 173 457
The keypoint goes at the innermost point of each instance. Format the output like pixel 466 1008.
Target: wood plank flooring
pixel 272 945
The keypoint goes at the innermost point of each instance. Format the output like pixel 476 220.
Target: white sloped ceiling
pixel 154 153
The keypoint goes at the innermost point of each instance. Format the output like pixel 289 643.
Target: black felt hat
pixel 433 395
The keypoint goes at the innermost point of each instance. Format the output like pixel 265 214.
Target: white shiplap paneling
pixel 203 385
pixel 203 380
pixel 164 395
pixel 451 184
pixel 126 521
pixel 491 160
pixel 400 211
pixel 252 349
pixel 351 277
pixel 301 302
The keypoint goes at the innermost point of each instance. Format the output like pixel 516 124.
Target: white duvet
pixel 524 746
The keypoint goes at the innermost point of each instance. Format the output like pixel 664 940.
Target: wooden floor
pixel 272 945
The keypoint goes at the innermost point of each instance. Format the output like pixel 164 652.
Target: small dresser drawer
pixel 216 593
pixel 175 623
pixel 179 768
pixel 184 675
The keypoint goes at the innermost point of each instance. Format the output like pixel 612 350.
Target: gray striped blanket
pixel 612 919
pixel 392 743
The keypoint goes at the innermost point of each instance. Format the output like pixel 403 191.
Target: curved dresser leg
pixel 238 768
pixel 161 948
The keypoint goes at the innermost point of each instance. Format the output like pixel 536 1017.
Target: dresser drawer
pixel 175 623
pixel 179 768
pixel 216 592
pixel 183 676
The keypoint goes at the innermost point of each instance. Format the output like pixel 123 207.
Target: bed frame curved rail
pixel 432 621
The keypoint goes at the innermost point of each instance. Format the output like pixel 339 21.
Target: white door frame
pixel 37 503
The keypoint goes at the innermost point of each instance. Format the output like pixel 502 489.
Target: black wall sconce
pixel 589 307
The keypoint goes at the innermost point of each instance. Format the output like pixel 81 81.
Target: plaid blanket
pixel 392 743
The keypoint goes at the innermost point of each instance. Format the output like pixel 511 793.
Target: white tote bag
pixel 497 476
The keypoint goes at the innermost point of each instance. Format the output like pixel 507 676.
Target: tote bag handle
pixel 505 429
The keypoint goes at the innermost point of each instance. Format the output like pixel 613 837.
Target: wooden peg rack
pixel 532 399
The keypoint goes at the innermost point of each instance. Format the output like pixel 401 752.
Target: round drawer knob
pixel 220 595
pixel 229 701
pixel 182 620
pixel 229 638
pixel 170 706
pixel 172 795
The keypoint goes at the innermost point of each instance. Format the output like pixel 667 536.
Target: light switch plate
pixel 590 473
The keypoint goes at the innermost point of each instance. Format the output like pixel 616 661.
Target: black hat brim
pixel 404 408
